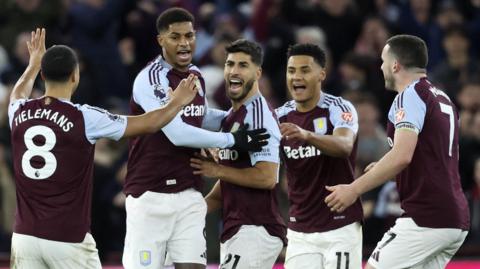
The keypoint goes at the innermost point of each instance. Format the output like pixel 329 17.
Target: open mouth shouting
pixel 184 55
pixel 298 88
pixel 235 85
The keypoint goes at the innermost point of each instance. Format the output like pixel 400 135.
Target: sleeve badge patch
pixel 159 91
pixel 347 116
pixel 399 115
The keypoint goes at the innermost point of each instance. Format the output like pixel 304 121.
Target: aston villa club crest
pixel 320 125
pixel 145 257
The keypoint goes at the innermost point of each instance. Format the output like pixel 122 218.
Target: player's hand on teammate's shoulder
pixel 293 131
pixel 342 196
pixel 185 91
pixel 36 47
pixel 250 140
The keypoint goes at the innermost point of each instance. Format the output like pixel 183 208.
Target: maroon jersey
pixel 53 147
pixel 243 205
pixel 155 163
pixel 309 170
pixel 429 188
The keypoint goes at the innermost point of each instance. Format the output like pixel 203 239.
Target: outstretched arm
pixel 154 120
pixel 391 164
pixel 36 49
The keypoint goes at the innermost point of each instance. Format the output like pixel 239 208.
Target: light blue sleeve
pixel 213 118
pixel 151 97
pixel 391 112
pixel 270 152
pixel 12 108
pixel 147 96
pixel 186 135
pixel 343 115
pixel 99 123
pixel 409 111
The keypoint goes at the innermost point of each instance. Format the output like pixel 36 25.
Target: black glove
pixel 253 140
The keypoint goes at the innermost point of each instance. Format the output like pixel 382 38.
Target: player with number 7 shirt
pixel 423 132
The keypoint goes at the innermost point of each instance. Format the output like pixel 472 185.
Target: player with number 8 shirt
pixel 53 142
pixel 423 131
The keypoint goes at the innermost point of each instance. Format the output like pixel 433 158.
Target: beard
pixel 247 87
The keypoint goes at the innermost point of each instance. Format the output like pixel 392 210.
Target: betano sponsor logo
pixel 193 110
pixel 301 152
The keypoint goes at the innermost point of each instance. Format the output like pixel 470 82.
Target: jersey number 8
pixel 43 151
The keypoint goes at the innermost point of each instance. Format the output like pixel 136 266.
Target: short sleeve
pixel 343 115
pixel 264 118
pixel 12 108
pixel 99 123
pixel 151 93
pixel 409 111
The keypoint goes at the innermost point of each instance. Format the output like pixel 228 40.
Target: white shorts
pixel 251 247
pixel 406 245
pixel 32 252
pixel 165 222
pixel 339 248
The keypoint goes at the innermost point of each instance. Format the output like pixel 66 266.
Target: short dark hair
pixel 248 47
pixel 173 15
pixel 58 63
pixel 317 53
pixel 409 50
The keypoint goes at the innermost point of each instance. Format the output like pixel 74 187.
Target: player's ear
pixel 42 75
pixel 395 66
pixel 322 75
pixel 160 39
pixel 75 75
pixel 259 73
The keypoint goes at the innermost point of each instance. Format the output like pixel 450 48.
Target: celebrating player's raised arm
pixel 36 49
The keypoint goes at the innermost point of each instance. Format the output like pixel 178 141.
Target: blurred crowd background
pixel 116 38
